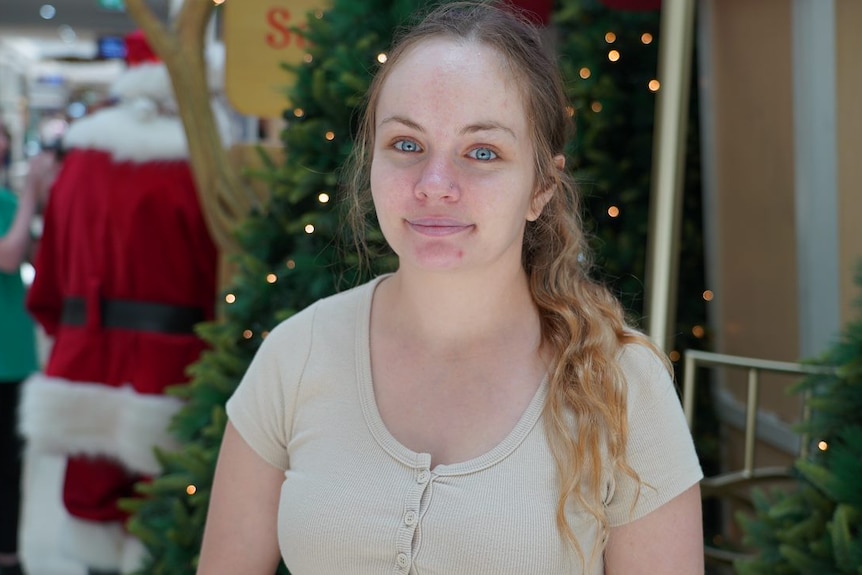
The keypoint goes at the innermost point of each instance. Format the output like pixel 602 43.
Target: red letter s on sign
pixel 277 19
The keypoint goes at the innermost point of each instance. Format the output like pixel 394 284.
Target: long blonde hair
pixel 581 321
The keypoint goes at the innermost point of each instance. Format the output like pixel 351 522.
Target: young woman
pixel 485 408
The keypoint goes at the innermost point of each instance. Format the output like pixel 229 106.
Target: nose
pixel 438 179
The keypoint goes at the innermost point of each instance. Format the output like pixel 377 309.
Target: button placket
pixel 405 548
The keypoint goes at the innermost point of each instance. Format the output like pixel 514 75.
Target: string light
pixel 230 298
pixel 318 14
pixel 584 73
pixel 654 85
pixel 610 37
pixel 382 57
pixel 308 58
pixel 614 55
pixel 290 264
pixel 323 198
pixel 247 334
pixel 708 295
pixel 271 278
pixel 299 112
pixel 570 111
pixel 218 2
pixel 674 356
pixel 646 38
pixel 191 489
pixel 822 446
pixel 263 334
pixel 698 331
pixel 329 136
pixel 309 229
pixel 596 107
pixel 613 211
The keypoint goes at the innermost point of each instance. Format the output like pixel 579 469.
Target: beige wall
pixel 748 70
pixel 849 101
pixel 755 238
pixel 751 82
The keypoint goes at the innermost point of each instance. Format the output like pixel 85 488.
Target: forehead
pixel 460 75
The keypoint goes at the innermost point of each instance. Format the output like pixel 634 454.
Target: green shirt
pixel 17 336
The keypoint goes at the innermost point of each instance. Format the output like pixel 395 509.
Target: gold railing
pixel 732 485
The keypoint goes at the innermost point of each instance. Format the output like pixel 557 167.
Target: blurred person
pixel 17 240
pixel 18 357
pixel 125 270
pixel 5 154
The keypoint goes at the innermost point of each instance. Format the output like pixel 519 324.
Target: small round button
pixel 410 518
pixel 402 560
pixel 422 477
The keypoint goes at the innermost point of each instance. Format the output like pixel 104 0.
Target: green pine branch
pixel 818 527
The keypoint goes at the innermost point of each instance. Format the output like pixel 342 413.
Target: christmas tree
pixel 290 249
pixel 817 527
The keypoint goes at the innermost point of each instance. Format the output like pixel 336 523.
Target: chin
pixel 436 258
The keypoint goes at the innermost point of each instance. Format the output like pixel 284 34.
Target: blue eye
pixel 406 146
pixel 483 154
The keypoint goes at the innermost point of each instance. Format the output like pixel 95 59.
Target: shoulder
pixel 638 355
pixel 7 198
pixel 646 372
pixel 8 206
pixel 335 313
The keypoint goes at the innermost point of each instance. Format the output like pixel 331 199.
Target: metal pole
pixel 674 74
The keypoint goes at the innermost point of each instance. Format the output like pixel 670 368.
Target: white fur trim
pixel 74 418
pixel 134 554
pixel 96 544
pixel 43 517
pixel 129 133
pixel 58 417
pixel 149 81
pixel 134 131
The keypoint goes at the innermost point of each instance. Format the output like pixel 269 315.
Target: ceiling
pixel 72 29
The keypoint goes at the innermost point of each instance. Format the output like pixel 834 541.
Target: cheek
pixel 389 185
pixel 384 200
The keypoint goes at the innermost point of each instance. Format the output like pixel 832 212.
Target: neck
pixel 459 310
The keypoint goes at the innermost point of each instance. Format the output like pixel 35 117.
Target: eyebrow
pixel 487 126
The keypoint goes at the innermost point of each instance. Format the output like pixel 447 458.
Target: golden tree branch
pixel 224 198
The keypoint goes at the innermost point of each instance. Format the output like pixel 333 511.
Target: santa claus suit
pixel 126 268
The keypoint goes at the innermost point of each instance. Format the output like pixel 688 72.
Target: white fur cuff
pixel 73 418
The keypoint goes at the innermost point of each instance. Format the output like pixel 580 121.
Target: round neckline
pixel 395 448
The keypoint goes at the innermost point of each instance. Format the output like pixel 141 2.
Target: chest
pixel 366 512
pixel 454 409
pixel 356 500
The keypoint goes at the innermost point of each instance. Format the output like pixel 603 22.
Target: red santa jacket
pixel 125 268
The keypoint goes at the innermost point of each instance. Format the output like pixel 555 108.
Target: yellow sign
pixel 258 38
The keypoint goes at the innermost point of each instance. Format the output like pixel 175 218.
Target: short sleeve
pixel 660 447
pixel 262 406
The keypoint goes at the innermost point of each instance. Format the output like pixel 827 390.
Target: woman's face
pixel 452 171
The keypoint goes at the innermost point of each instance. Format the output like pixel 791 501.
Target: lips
pixel 431 226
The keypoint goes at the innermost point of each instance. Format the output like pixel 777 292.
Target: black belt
pixel 135 315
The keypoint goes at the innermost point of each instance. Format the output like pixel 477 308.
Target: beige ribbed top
pixel 357 502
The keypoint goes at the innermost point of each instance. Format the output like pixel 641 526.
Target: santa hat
pixel 143 126
pixel 146 75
